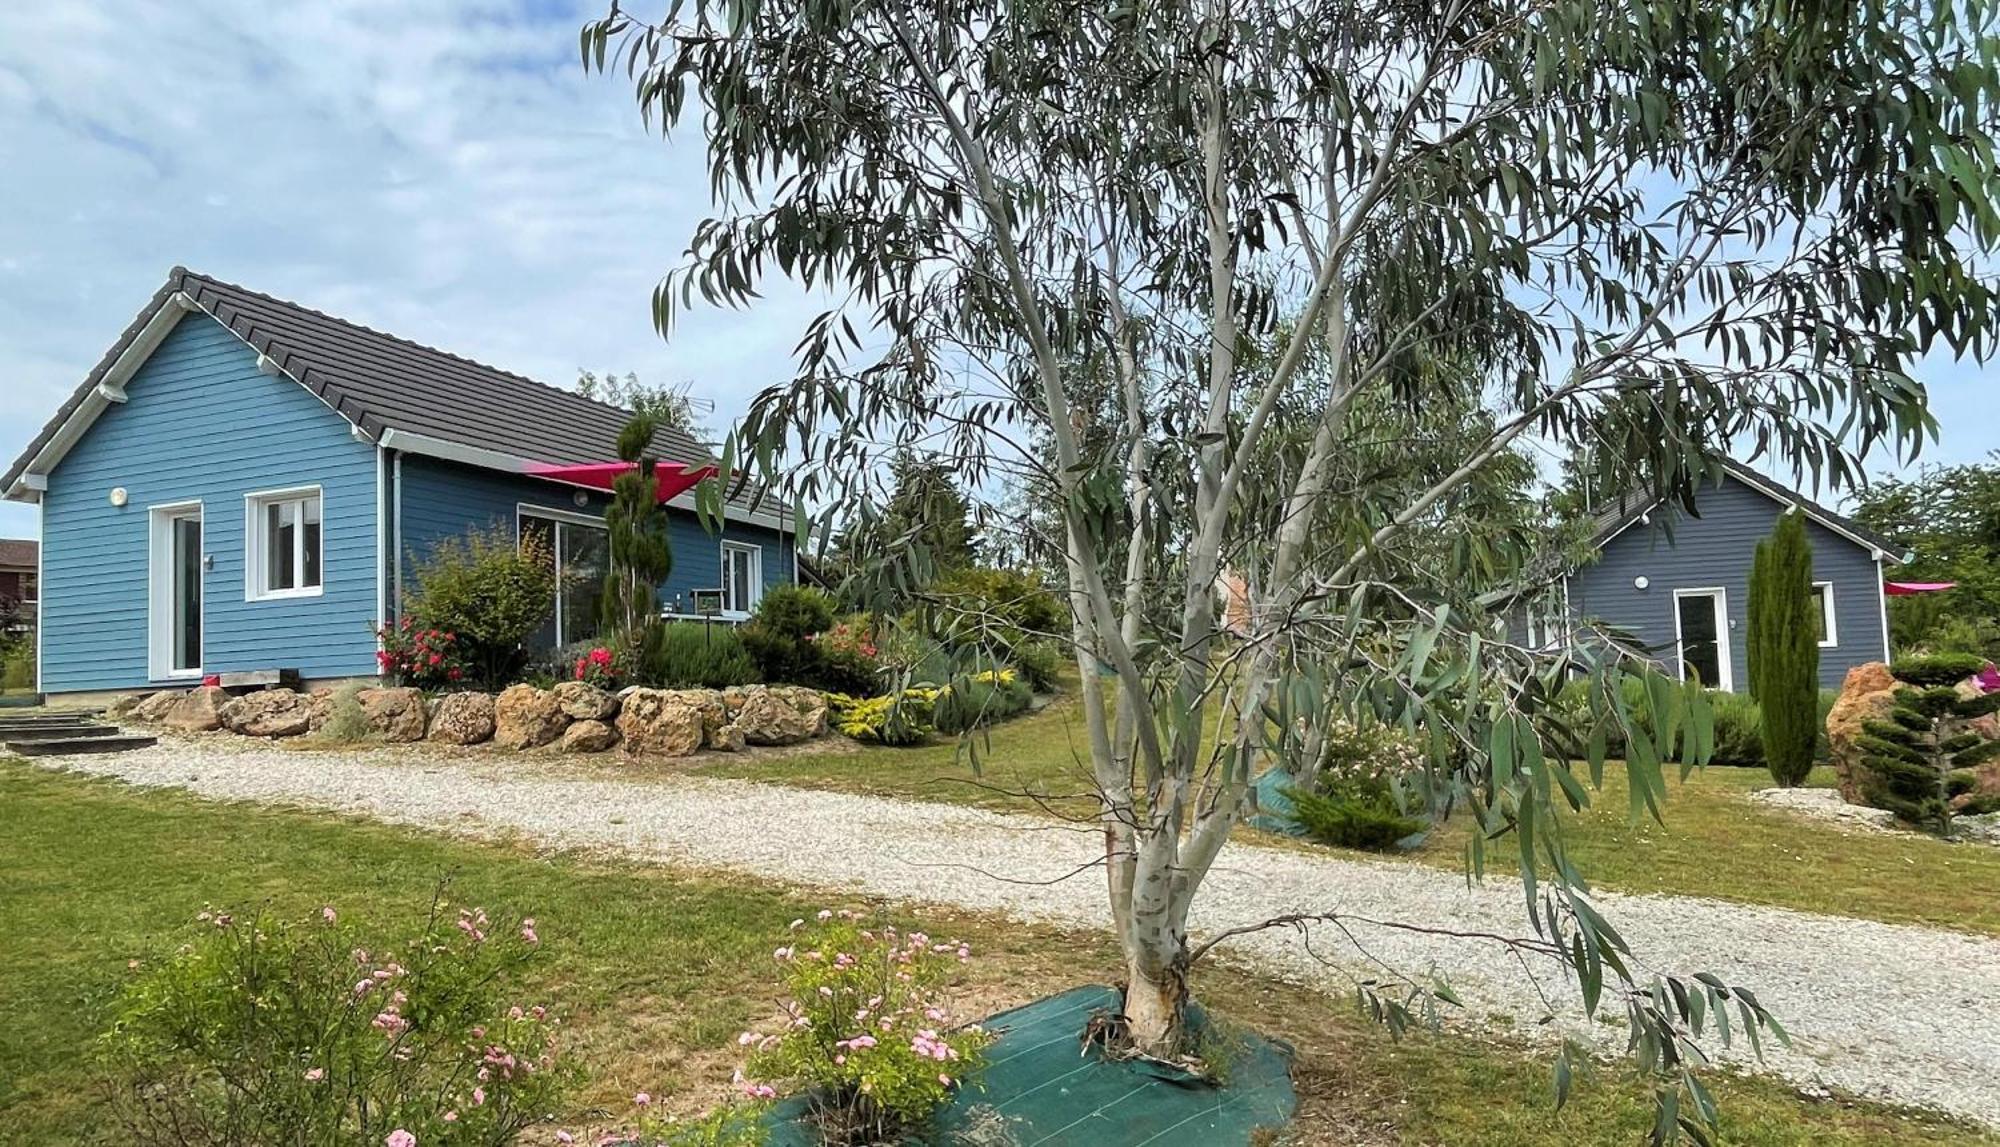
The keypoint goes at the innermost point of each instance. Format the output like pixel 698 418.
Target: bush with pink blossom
pixel 869 1036
pixel 261 1029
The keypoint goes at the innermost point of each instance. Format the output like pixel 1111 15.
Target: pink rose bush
pixel 262 1029
pixel 868 1031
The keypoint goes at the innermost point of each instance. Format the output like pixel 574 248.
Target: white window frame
pixel 526 510
pixel 254 565
pixel 756 553
pixel 1829 634
pixel 160 591
pixel 1720 596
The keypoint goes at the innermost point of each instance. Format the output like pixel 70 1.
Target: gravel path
pixel 1906 1014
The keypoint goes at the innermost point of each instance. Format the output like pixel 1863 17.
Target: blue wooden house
pixel 1677 585
pixel 243 484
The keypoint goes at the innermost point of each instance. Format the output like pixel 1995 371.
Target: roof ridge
pixel 182 273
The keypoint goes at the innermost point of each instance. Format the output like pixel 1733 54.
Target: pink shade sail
pixel 1906 588
pixel 673 478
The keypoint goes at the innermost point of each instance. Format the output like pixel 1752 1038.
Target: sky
pixel 441 169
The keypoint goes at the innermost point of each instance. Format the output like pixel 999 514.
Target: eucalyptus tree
pixel 1660 230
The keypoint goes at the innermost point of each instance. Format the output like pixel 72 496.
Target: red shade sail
pixel 674 478
pixel 1906 588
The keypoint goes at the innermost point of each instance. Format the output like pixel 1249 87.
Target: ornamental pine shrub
pixel 1753 644
pixel 892 719
pixel 869 1034
pixel 1784 640
pixel 1912 763
pixel 263 1029
pixel 779 635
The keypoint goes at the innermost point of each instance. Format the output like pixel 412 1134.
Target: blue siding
pixel 444 499
pixel 1715 550
pixel 202 423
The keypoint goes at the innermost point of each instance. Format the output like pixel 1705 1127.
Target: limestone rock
pixel 582 701
pixel 153 709
pixel 588 736
pixel 526 717
pixel 726 738
pixel 268 713
pixel 1867 694
pixel 661 722
pixel 123 706
pixel 397 713
pixel 197 710
pixel 706 702
pixel 463 719
pixel 319 706
pixel 780 714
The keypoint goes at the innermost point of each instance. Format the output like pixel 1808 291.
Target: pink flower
pixel 328 914
pixel 400 1138
pixel 642 1099
pixel 478 1097
pixel 315 1075
pixel 451 1117
pixel 565 1137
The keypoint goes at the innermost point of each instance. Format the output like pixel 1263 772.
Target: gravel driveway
pixel 1906 1014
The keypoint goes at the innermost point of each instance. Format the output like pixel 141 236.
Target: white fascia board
pixel 109 390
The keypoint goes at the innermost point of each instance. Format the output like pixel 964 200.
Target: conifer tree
pixel 1784 640
pixel 1921 757
pixel 641 555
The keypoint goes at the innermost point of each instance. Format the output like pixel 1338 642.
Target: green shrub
pixel 260 1029
pixel 779 636
pixel 1042 662
pixel 849 660
pixel 1937 669
pixel 491 593
pixel 17 672
pixel 1981 805
pixel 696 655
pixel 979 700
pixel 1009 615
pixel 866 1034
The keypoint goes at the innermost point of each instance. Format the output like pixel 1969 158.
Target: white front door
pixel 175 591
pixel 1701 631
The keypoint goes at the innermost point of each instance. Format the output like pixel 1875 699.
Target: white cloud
pixel 449 174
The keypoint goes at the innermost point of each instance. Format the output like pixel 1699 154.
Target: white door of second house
pixel 1701 637
pixel 174 593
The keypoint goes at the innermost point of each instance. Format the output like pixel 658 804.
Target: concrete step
pixel 64 746
pixel 55 732
pixel 35 720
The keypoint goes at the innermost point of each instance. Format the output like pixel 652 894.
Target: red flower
pixel 437 659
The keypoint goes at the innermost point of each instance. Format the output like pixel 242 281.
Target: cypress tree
pixel 1753 645
pixel 1786 640
pixel 1915 762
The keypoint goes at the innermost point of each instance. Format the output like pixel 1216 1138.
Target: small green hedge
pixel 1738 741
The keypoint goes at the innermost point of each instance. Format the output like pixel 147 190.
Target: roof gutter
pixel 412 443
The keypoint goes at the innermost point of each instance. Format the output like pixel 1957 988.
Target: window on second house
pixel 286 543
pixel 742 578
pixel 1822 593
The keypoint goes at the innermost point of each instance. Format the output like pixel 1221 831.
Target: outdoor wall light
pixel 580 498
pixel 1641 582
pixel 118 495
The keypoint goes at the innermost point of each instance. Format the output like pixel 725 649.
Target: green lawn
pixel 656 970
pixel 1714 843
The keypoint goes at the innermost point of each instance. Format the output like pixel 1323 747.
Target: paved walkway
pixel 1906 1014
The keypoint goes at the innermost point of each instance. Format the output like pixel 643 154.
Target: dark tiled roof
pixel 19 553
pixel 380 382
